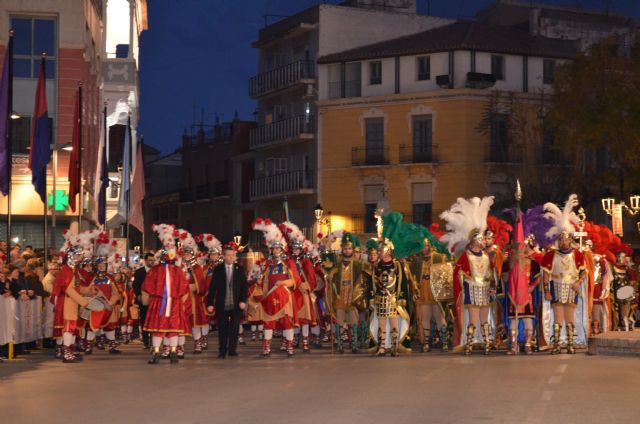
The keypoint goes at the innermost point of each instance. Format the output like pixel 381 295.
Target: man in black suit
pixel 138 279
pixel 229 292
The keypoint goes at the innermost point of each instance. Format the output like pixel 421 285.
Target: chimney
pixel 185 140
pixel 217 129
pixel 534 21
pixel 200 135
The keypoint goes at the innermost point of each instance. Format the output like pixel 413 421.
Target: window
pixel 423 65
pixel 32 37
pixel 335 80
pixel 499 138
pixel 497 67
pixel 21 134
pixel 352 83
pixel 422 140
pixel 422 198
pixel 374 141
pixel 548 71
pixel 375 72
pixel 372 194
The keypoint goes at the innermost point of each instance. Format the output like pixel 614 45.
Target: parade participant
pixel 228 296
pixel 496 238
pixel 278 281
pixel 473 275
pixel 142 301
pixel 104 282
pixel 68 295
pixel 624 289
pixel 165 284
pixel 564 272
pixel 371 246
pixel 126 303
pixel 254 293
pixel 213 249
pixel 198 291
pixel 305 312
pixel 347 290
pixel 428 307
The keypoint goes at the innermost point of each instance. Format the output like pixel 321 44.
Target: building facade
pixel 76 36
pixel 455 111
pixel 285 143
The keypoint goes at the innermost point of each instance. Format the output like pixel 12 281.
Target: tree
pixel 595 113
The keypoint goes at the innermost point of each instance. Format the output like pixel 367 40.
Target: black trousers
pixel 143 316
pixel 228 325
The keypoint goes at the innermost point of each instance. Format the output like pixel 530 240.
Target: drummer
pixel 624 280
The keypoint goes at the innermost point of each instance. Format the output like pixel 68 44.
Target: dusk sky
pixel 197 56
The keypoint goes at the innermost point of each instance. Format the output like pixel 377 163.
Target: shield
pixel 442 281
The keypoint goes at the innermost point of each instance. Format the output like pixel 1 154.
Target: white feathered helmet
pixel 563 220
pixel 292 233
pixel 210 242
pixel 466 221
pixel 78 243
pixel 167 235
pixel 272 234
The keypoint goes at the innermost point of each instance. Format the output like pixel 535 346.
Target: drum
pixel 625 294
pixel 442 281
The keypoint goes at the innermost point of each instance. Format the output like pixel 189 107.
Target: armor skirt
pixel 562 293
pixel 387 306
pixel 475 295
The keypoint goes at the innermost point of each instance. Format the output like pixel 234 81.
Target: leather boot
pixel 471 329
pixel 513 343
pixel 305 345
pixel 197 347
pixel 444 339
pixel 338 336
pixel 381 342
pixel 155 355
pixel 68 356
pixel 426 344
pixel 290 348
pixel 266 348
pixel 179 352
pixel 354 338
pixel 528 337
pixel 556 339
pixel 174 354
pixel 113 347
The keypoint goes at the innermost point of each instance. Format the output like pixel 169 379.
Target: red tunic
pixel 302 295
pixel 277 302
pixel 62 282
pixel 165 313
pixel 547 261
pixel 198 298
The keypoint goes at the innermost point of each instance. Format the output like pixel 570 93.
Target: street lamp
pixel 237 238
pixel 321 219
pixel 632 209
pixel 318 211
pixel 14 115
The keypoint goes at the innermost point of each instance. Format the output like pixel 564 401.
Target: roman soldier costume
pixel 473 276
pixel 166 285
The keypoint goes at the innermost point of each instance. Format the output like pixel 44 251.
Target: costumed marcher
pixel 473 276
pixel 624 289
pixel 278 282
pixel 103 281
pixel 198 290
pixel 496 238
pixel 428 307
pixel 68 295
pixel 347 291
pixel 371 246
pixel 302 295
pixel 564 272
pixel 254 293
pixel 166 285
pixel 213 248
pixel 392 292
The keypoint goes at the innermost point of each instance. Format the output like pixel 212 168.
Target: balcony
pixel 417 154
pixel 221 189
pixel 302 71
pixel 294 129
pixel 370 156
pixel 203 192
pixel 505 154
pixel 296 182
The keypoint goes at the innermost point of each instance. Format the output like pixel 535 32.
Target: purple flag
pixel 5 159
pixel 40 153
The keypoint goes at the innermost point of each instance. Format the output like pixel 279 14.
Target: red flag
pixel 518 280
pixel 74 161
pixel 136 217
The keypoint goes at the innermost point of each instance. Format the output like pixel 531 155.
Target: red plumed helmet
pixel 176 233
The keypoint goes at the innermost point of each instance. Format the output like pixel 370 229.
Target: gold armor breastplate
pixel 480 268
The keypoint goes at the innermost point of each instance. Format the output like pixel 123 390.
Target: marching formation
pixel 544 282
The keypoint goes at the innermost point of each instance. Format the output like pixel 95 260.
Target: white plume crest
pixel 293 232
pixel 563 220
pixel 187 241
pixel 210 242
pixel 462 217
pixel 165 235
pixel 270 231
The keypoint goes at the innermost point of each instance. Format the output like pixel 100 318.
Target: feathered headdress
pixel 210 242
pixel 563 220
pixel 534 223
pixel 325 242
pixel 167 234
pixel 272 235
pixel 105 248
pixel 407 239
pixel 466 220
pixel 292 234
pixel 500 229
pixel 187 242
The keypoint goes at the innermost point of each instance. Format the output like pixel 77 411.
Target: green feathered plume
pixel 408 238
pixel 372 244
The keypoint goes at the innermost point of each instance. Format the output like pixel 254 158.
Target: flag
pixel 40 153
pixel 74 161
pixel 5 99
pixel 103 177
pixel 518 281
pixel 136 218
pixel 123 201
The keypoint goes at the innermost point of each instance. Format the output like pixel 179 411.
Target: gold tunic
pixel 564 274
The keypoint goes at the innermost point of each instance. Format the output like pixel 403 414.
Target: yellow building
pixel 423 120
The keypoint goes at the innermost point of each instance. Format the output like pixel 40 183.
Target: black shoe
pixel 222 355
pixel 155 358
pixel 173 357
pixel 233 353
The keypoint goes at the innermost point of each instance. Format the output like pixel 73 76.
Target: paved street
pixel 320 388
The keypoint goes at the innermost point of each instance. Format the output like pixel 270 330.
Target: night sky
pixel 197 56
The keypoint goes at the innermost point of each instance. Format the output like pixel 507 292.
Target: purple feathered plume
pixel 534 222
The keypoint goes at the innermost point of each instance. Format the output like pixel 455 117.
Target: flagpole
pixel 518 196
pixel 8 136
pixel 79 123
pixel 103 191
